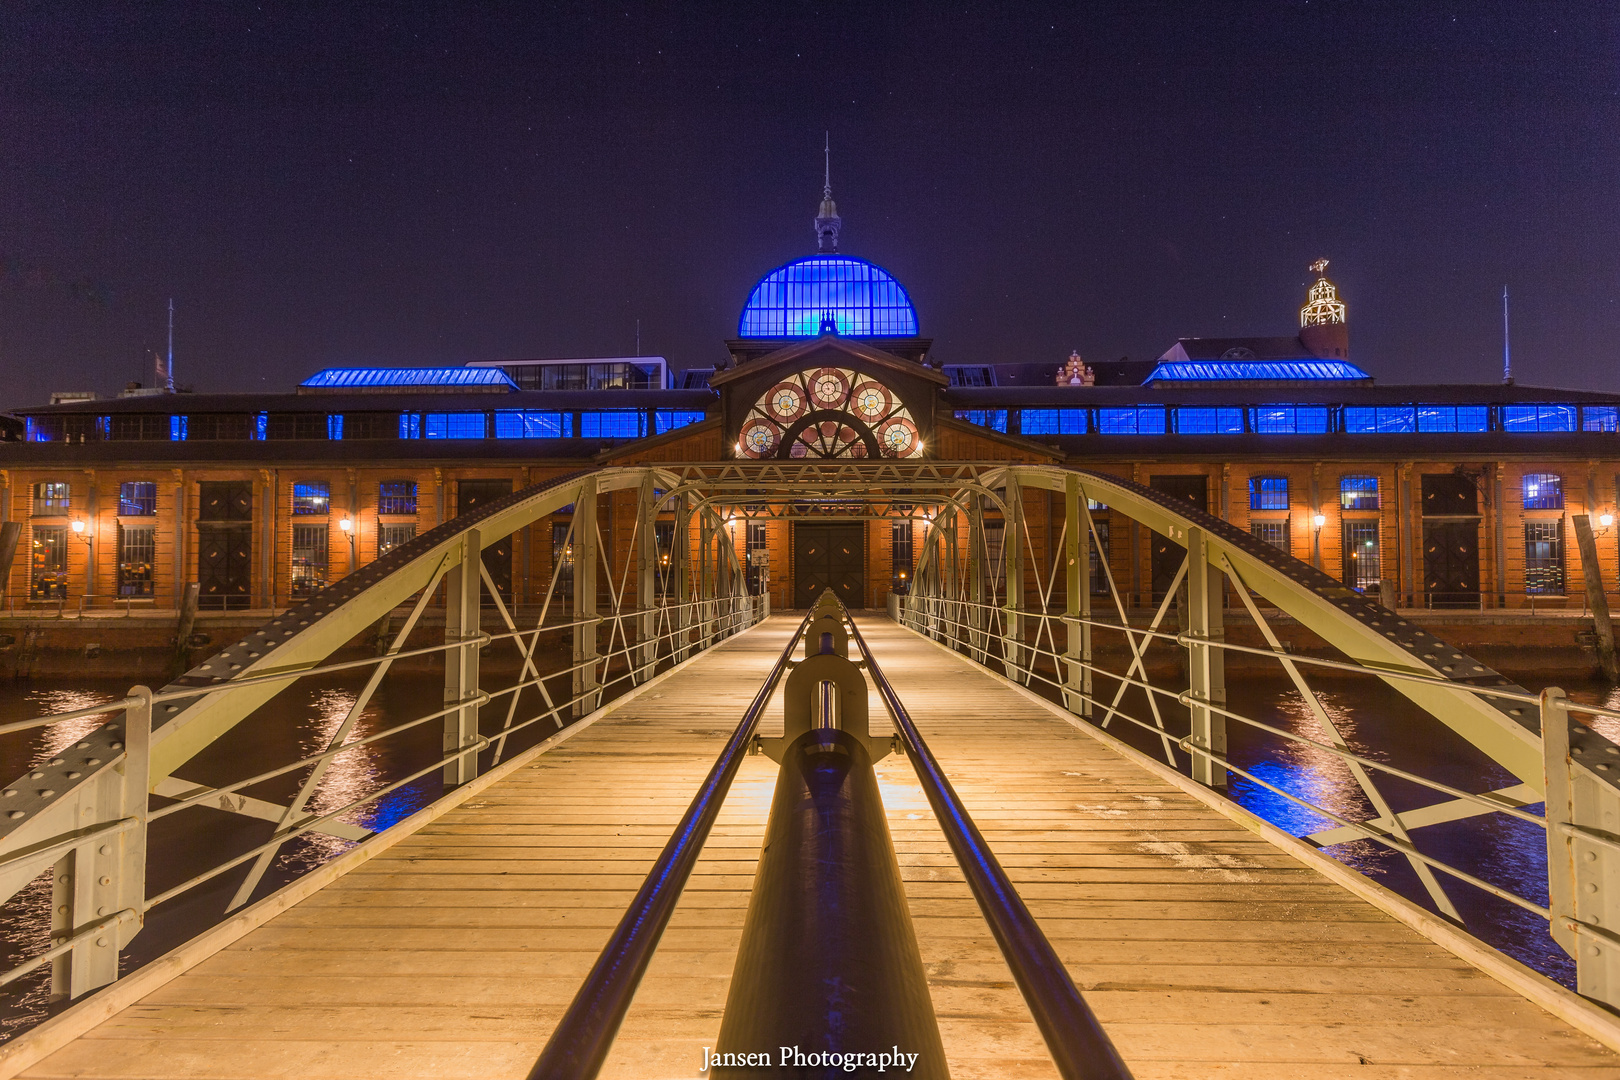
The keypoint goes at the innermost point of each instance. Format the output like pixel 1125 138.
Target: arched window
pixel 1358 492
pixel 1543 491
pixel 1268 493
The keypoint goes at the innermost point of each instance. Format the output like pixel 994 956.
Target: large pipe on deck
pixel 829 964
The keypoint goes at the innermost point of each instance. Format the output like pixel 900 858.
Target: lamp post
pixel 1316 538
pixel 81 530
pixel 346 526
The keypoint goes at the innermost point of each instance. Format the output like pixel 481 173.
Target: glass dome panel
pixel 864 300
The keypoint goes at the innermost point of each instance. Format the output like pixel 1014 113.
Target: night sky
pixel 347 184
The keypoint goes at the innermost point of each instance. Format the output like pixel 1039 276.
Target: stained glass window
pixel 828 413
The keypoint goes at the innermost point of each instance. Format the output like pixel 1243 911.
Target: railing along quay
pixel 84 813
pixel 974 602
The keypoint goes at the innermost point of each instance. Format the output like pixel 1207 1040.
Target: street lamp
pixel 346 527
pixel 1319 520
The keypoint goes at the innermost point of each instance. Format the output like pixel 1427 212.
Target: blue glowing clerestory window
pixel 1055 421
pixel 861 299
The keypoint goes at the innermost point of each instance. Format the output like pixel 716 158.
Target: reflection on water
pixel 1380 725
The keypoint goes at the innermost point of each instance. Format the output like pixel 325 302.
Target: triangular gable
pixel 797 355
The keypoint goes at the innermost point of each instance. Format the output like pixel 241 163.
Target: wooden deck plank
pixel 1204 950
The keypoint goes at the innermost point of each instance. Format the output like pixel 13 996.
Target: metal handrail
pixel 1076 1040
pixel 580 1043
pixel 294 674
pixel 1189 746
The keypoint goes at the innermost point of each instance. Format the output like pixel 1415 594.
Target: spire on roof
pixel 827 220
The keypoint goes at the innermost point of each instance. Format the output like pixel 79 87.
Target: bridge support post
pixel 463 601
pixel 1206 666
pixel 1077 596
pixel 585 620
pixel 952 592
pixel 706 552
pixel 680 585
pixel 1012 551
pixel 1583 864
pixel 646 577
pixel 978 559
pixel 106 877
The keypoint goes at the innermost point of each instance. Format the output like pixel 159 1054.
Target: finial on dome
pixel 1322 304
pixel 827 220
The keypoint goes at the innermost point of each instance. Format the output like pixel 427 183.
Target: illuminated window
pixel 1274 533
pixel 994 419
pixel 1599 418
pixel 613 424
pixel 901 563
pixel 1448 418
pixel 137 546
pixel 396 497
pixel 670 419
pixel 51 498
pixel 137 498
pixel 830 412
pixel 861 299
pixel 1284 419
pixel 531 424
pixel 1363 566
pixel 1543 491
pixel 410 425
pixel 1140 420
pixel 308 559
pixel 1544 558
pixel 392 535
pixel 48 567
pixel 1358 492
pixel 1192 420
pixel 1380 419
pixel 463 425
pixel 1538 418
pixel 1054 421
pixel 334 426
pixel 312 497
pixel 1268 493
pixel 177 428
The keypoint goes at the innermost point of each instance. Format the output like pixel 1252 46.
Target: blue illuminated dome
pixel 861 298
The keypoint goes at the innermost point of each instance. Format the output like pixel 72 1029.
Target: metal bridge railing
pixel 90 878
pixel 1039 648
pixel 83 813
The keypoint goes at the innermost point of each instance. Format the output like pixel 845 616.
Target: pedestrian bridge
pixel 603 901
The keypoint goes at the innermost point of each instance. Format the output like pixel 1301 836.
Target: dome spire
pixel 827 220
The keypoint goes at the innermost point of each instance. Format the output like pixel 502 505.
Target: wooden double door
pixel 829 556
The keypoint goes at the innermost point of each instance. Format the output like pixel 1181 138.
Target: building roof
pixel 1238 348
pixel 393 378
pixel 387 401
pixel 861 298
pixel 1331 393
pixel 1255 371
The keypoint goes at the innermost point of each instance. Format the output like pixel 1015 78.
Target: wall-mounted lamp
pixel 81 530
pixel 1605 520
pixel 78 525
pixel 346 525
pixel 1319 520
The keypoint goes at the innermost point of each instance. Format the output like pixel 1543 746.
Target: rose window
pixel 829 413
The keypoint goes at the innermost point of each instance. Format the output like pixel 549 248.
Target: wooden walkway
pixel 1205 950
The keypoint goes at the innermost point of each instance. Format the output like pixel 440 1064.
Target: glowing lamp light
pixel 78 526
pixel 1605 520
pixel 346 525
pixel 1319 520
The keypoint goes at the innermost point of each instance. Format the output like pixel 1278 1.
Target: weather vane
pixel 1319 266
